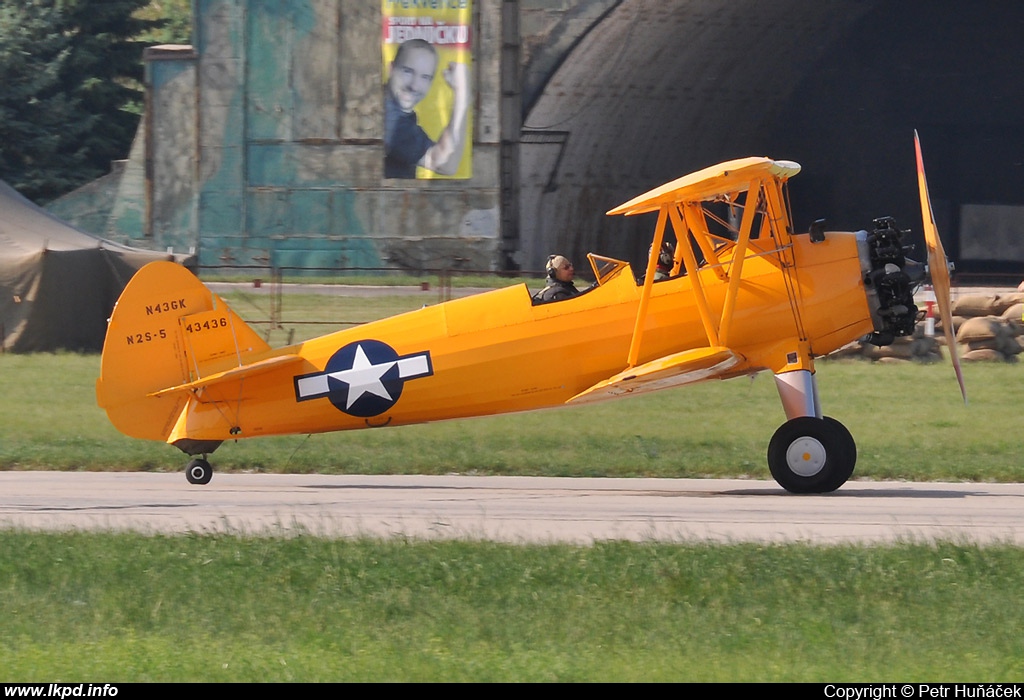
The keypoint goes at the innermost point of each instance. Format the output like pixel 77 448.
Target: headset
pixel 550 267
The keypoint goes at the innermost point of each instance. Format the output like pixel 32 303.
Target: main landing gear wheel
pixel 198 471
pixel 812 455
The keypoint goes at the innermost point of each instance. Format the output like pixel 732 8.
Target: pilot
pixel 665 261
pixel 560 273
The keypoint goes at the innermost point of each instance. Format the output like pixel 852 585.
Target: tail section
pixel 167 330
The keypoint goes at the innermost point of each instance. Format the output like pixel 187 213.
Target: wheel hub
pixel 806 456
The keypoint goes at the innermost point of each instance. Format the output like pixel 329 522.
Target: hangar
pixel 655 90
pixel 263 140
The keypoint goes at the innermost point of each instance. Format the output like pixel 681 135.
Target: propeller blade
pixel 938 267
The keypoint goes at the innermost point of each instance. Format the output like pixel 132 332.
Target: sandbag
pixel 984 356
pixel 972 305
pixel 1002 302
pixel 979 328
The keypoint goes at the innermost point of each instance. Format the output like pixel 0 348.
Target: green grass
pixel 124 607
pixel 90 607
pixel 908 420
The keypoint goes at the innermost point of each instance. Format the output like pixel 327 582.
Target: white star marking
pixel 363 378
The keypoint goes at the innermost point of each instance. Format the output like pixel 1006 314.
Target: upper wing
pixel 681 368
pixel 709 183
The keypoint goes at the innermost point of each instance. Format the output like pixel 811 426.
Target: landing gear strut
pixel 198 471
pixel 812 455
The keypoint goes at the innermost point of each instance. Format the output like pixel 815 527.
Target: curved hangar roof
pixel 656 90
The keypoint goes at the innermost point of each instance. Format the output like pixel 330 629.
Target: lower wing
pixel 685 367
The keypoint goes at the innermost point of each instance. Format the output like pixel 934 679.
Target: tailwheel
pixel 198 471
pixel 812 455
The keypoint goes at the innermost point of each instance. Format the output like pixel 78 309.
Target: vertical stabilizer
pixel 167 329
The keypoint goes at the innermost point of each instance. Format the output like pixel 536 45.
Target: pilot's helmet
pixel 555 263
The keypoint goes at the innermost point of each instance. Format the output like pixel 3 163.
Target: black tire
pixel 198 471
pixel 812 455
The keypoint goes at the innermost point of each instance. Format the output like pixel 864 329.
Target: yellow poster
pixel 427 52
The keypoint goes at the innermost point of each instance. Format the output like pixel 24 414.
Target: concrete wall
pixel 289 145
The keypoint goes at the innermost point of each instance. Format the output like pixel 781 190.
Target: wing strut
pixel 680 201
pixel 740 252
pixel 645 295
pixel 683 238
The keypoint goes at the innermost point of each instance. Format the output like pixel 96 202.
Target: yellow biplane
pixel 745 294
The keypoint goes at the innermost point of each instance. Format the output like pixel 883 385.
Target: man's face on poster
pixel 412 72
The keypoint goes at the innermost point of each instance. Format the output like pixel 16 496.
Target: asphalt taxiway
pixel 512 509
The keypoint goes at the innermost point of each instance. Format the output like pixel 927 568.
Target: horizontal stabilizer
pixel 233 375
pixel 685 367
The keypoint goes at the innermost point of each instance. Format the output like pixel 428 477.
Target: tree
pixel 38 124
pixel 70 70
pixel 177 18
